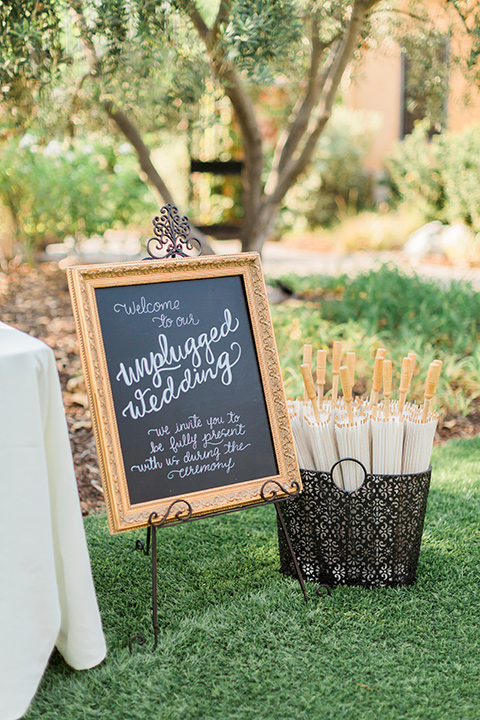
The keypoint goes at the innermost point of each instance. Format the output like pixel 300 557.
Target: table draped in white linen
pixel 47 596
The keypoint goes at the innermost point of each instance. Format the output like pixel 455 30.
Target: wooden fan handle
pixel 347 391
pixel 350 362
pixel 337 356
pixel 387 377
pixel 377 375
pixel 321 366
pixel 404 383
pixel 310 388
pixel 336 359
pixel 321 371
pixel 433 377
pixel 413 360
pixel 307 358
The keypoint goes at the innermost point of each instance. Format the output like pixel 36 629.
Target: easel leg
pixel 154 587
pixel 292 551
pixel 152 527
pixel 151 539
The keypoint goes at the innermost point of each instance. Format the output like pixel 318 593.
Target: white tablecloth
pixel 47 596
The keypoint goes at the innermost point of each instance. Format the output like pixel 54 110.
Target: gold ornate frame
pixel 83 281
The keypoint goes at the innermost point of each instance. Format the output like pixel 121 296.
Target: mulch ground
pixel 36 301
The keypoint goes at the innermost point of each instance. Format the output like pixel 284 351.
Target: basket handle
pixel 353 460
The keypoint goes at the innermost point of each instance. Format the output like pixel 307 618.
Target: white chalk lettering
pixel 160 431
pixel 163 321
pixel 190 457
pixel 232 446
pixel 186 320
pixel 143 307
pixel 150 463
pixel 197 469
pixel 192 423
pixel 211 421
pixel 144 367
pixel 184 441
pixel 215 437
pixel 170 358
pixel 145 401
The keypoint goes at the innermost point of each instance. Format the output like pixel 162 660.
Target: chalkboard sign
pixel 184 385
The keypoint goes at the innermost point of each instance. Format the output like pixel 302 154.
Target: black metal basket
pixel 368 537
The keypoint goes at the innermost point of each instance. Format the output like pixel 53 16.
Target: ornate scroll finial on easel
pixel 172 236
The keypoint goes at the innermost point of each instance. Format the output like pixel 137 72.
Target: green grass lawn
pixel 238 642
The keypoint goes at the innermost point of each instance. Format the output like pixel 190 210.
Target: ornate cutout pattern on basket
pixel 368 537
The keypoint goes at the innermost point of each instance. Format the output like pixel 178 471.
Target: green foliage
pixel 147 58
pixel 415 172
pixel 427 73
pixel 389 298
pixel 441 175
pixel 238 641
pixel 336 181
pixel 461 172
pixel 253 41
pixel 30 52
pixel 386 307
pixel 469 13
pixel 79 189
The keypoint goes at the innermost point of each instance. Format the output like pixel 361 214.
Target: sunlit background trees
pixel 239 112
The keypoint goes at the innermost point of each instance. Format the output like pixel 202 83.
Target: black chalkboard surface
pixel 184 384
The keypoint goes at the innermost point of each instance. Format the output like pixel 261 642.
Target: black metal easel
pixel 172 239
pixel 183 515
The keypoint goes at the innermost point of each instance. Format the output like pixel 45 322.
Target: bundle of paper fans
pixel 389 437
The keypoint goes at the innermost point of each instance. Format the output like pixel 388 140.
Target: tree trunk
pixel 296 145
pixel 258 226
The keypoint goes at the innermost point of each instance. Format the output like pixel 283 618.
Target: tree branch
pixel 225 73
pixel 222 15
pixel 240 100
pixel 199 23
pixel 342 56
pixel 74 102
pixel 405 13
pixel 133 136
pixel 292 136
pixel 85 35
pixel 462 15
pixel 367 5
pixel 125 125
pixel 288 143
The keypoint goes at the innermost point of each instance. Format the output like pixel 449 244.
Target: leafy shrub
pixel 389 300
pixel 461 172
pixel 336 181
pixel 440 176
pixel 385 307
pixel 78 190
